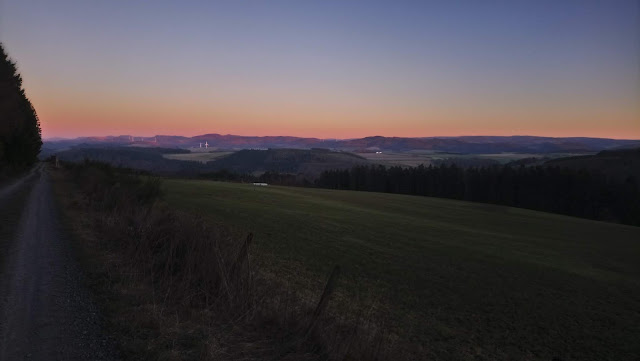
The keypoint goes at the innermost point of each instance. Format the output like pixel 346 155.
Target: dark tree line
pixel 580 193
pixel 20 139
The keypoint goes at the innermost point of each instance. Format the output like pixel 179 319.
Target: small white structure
pixel 260 184
pixel 206 144
pixel 378 152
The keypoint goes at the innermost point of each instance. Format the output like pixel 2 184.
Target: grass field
pixel 399 158
pixel 202 157
pixel 458 280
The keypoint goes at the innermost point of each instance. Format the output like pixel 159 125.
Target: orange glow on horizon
pixel 101 116
pixel 69 125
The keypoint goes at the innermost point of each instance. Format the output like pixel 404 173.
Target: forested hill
pixel 618 164
pixel 20 139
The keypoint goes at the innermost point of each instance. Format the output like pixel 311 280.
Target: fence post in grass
pixel 242 256
pixel 324 299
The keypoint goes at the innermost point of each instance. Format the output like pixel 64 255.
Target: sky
pixel 329 69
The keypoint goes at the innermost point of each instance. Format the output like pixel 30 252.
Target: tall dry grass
pixel 195 280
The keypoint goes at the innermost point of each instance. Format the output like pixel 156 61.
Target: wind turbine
pixel 206 144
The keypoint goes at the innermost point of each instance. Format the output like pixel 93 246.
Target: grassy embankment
pixel 458 280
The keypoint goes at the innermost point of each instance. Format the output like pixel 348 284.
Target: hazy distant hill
pixel 170 141
pixel 470 144
pixel 244 142
pixel 310 162
pixel 149 159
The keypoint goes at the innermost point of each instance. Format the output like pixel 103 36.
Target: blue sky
pixel 330 68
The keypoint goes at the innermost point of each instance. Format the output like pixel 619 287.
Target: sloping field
pixel 399 158
pixel 202 157
pixel 458 280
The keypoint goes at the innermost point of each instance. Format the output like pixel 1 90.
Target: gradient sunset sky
pixel 329 69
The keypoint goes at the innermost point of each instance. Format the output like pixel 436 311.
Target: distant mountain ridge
pixel 462 144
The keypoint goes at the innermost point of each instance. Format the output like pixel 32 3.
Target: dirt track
pixel 45 312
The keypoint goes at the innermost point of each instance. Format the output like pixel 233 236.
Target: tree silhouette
pixel 20 135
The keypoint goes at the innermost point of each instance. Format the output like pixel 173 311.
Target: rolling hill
pixel 175 161
pixel 147 159
pixel 452 280
pixel 294 161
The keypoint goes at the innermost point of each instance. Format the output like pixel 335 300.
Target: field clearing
pixel 398 158
pixel 415 158
pixel 202 157
pixel 460 280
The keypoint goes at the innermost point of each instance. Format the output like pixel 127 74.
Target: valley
pixel 319 181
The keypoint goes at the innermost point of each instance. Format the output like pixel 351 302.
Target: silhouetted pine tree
pixel 20 138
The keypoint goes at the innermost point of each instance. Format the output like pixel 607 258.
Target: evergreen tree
pixel 20 135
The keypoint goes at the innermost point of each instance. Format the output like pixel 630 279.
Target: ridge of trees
pixel 581 193
pixel 20 134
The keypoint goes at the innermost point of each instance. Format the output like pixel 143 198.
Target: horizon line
pixel 334 139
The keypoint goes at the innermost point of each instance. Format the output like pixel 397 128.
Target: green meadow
pixel 457 280
pixel 202 157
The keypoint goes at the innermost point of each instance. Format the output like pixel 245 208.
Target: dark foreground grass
pixel 456 280
pixel 177 287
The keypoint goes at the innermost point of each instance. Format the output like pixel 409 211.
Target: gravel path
pixel 45 313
